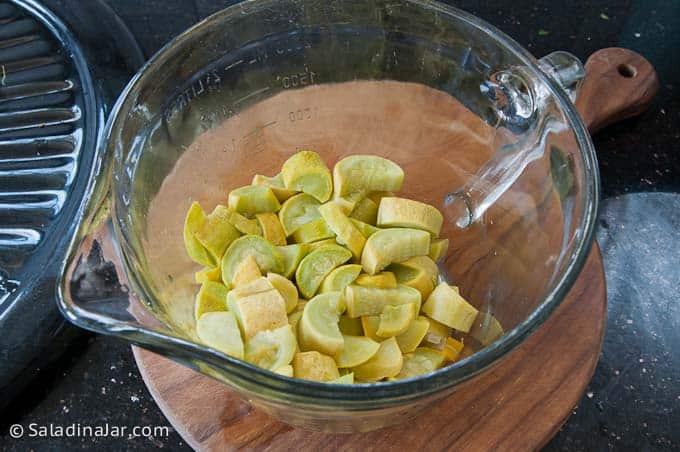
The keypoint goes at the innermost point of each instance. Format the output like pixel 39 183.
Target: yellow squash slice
pixel 318 328
pixel 410 339
pixel 272 231
pixel 393 245
pixel 421 361
pixel 297 211
pixel 252 199
pixel 268 257
pixel 447 306
pixel 246 272
pixel 276 184
pixel 382 280
pixel 438 249
pixel 362 301
pixel 271 349
pixel 340 278
pixel 315 366
pixel 356 350
pixel 317 265
pixel 305 171
pixel 407 213
pixel 346 233
pixel 220 331
pixel 211 297
pixel 387 362
pixel 366 173
pixel 395 320
pixel 287 290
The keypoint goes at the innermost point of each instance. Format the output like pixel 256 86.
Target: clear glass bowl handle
pixel 523 107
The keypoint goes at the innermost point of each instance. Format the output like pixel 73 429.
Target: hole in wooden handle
pixel 626 70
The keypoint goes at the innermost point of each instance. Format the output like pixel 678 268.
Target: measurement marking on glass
pixel 303 78
pixel 301 114
pixel 254 93
pixel 233 65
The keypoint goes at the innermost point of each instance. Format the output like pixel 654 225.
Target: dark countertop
pixel 633 400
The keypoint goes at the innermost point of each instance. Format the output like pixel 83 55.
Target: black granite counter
pixel 633 401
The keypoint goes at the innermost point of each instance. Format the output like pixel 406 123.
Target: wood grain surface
pixel 619 84
pixel 517 405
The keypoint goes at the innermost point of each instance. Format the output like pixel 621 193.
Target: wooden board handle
pixel 619 84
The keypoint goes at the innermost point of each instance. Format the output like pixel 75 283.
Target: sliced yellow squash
pixel 362 301
pixel 318 328
pixel 410 339
pixel 346 379
pixel 452 349
pixel 315 266
pixel 436 334
pixel 220 331
pixel 315 366
pixel 413 276
pixel 297 211
pixel 366 173
pixel 244 225
pixel 350 326
pixel 271 349
pixel 382 280
pixel 208 274
pixel 346 233
pixel 370 324
pixel 194 220
pixel 292 255
pixel 287 290
pixel 365 210
pixel 246 272
pixel 396 319
pixel 272 231
pixel 276 184
pixel 387 362
pixel 251 199
pixel 407 213
pixel 438 249
pixel 286 371
pixel 366 229
pixel 211 297
pixel 305 171
pixel 216 233
pixel 447 306
pixel 356 350
pixel 340 278
pixel 313 231
pixel 423 360
pixel 393 245
pixel 268 257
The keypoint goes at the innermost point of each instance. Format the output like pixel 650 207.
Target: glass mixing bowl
pixel 483 130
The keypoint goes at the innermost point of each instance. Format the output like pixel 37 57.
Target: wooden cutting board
pixel 519 405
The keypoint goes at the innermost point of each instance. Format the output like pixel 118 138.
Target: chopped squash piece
pixel 393 245
pixel 387 362
pixel 212 297
pixel 315 366
pixel 445 305
pixel 271 228
pixel 252 199
pixel 220 331
pixel 246 272
pixel 407 213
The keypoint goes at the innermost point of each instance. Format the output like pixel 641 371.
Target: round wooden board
pixel 519 405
